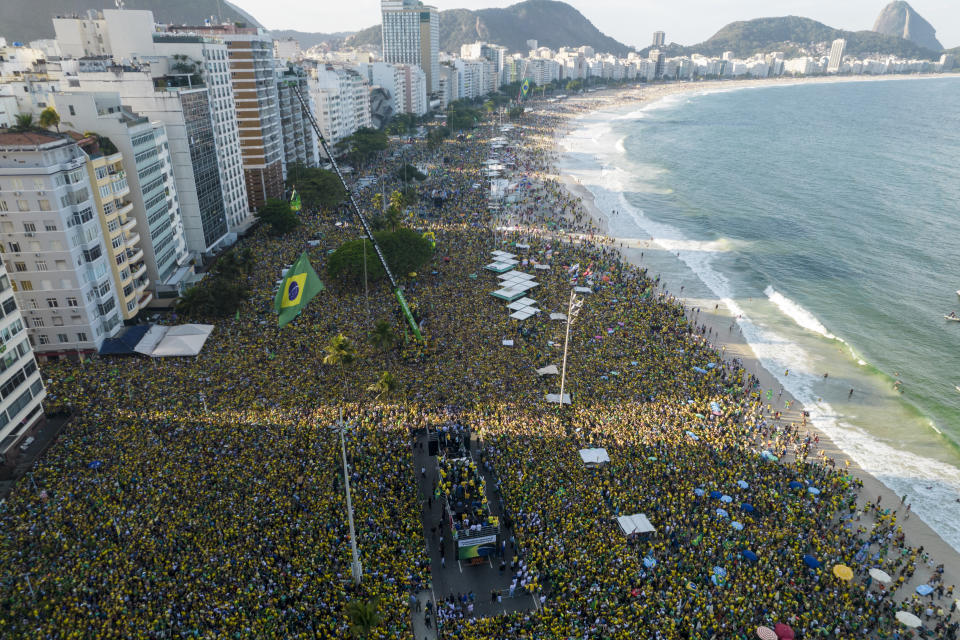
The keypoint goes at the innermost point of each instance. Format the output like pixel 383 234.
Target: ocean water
pixel 827 216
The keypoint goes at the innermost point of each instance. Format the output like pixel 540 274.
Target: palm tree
pixel 364 617
pixel 24 122
pixel 384 385
pixel 50 118
pixel 340 351
pixel 377 201
pixel 382 335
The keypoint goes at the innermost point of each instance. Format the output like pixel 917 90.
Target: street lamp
pixel 572 312
pixel 356 569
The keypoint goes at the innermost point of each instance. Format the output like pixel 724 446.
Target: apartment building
pixel 342 100
pixel 21 386
pixel 299 143
pixel 411 35
pixel 53 242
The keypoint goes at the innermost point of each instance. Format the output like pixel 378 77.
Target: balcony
pixel 145 300
pixel 133 240
pixel 134 255
pixel 126 208
pixel 129 224
pixel 138 270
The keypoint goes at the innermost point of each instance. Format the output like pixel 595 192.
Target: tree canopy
pixel 278 215
pixel 406 251
pixel 318 188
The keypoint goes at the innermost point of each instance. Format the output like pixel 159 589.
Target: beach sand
pixel 733 344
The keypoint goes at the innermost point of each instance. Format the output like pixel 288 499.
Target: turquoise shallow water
pixel 829 216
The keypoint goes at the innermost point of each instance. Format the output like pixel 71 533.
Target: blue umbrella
pixel 746 506
pixel 723 513
pixel 699 492
pixel 742 484
pixel 795 485
pixel 699 370
pixel 649 562
pixel 726 498
pixel 715 494
pixel 96 464
pixel 736 525
pixel 924 589
pixel 810 561
pixel 814 490
pixel 749 555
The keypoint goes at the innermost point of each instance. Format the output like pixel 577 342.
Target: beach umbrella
pixel 746 506
pixel 699 492
pixel 810 561
pixel 843 572
pixel 723 513
pixel 736 525
pixel 880 576
pixel 742 484
pixel 814 490
pixel 766 633
pixel 795 485
pixel 924 589
pixel 726 498
pixel 715 494
pixel 907 619
pixel 784 632
pixel 749 555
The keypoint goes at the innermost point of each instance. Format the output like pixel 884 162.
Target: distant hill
pixel 552 24
pixel 307 39
pixel 899 19
pixel 19 24
pixel 784 34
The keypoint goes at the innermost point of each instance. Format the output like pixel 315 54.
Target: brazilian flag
pixel 525 87
pixel 295 205
pixel 299 287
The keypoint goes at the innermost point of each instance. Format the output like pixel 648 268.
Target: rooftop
pixel 27 138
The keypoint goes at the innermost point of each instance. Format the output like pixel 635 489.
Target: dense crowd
pixel 202 497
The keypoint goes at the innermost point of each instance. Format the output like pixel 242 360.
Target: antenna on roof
pixel 119 4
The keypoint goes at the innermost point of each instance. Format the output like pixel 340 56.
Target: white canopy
pixel 549 370
pixel 637 523
pixel 583 289
pixel 554 398
pixel 183 340
pixel 558 316
pixel 542 267
pixel 594 456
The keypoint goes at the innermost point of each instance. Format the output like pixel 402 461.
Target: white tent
pixel 554 398
pixel 637 523
pixel 583 289
pixel 182 340
pixel 593 457
pixel 549 370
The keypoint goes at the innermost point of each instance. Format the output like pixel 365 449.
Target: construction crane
pixel 356 211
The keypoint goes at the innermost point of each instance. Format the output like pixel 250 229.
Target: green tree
pixel 24 122
pixel 436 137
pixel 318 188
pixel 278 215
pixel 405 251
pixel 364 144
pixel 340 352
pixel 385 384
pixel 50 118
pixel 364 617
pixel 377 202
pixel 515 112
pixel 382 336
pixel 408 172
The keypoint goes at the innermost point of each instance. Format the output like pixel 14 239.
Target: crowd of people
pixel 202 497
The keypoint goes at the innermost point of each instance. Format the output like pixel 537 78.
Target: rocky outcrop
pixel 899 19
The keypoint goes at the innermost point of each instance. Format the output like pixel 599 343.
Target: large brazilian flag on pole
pixel 299 286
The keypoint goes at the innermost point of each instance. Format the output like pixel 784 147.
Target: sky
pixel 629 21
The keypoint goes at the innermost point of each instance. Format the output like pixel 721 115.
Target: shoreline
pixel 732 343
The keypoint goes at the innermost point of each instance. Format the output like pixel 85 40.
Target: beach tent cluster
pixel 159 341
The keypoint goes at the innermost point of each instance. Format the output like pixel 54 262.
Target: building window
pixel 23 205
pixel 44 206
pixel 26 285
pixel 41 265
pixel 52 303
pixel 49 225
pixel 3 205
pixel 29 227
pixel 72 302
pixel 14 247
pixel 38 323
pixel 20 266
pixel 62 337
pixel 73 111
pixel 33 303
pixel 44 338
pixel 57 321
pixel 81 337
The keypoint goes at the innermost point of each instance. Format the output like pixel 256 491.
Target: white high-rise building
pixel 149 173
pixel 836 55
pixel 406 84
pixel 54 244
pixel 411 35
pixel 21 387
pixel 342 100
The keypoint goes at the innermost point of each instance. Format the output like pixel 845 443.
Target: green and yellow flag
pixel 299 286
pixel 295 205
pixel 525 87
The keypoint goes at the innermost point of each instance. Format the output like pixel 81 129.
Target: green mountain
pixel 307 39
pixel 899 19
pixel 19 24
pixel 552 24
pixel 789 33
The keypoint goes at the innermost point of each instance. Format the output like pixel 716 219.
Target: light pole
pixel 356 569
pixel 572 311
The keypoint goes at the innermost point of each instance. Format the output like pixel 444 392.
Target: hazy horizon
pixel 686 22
